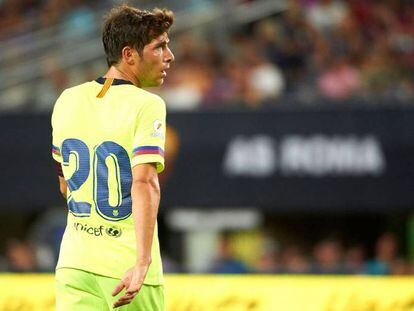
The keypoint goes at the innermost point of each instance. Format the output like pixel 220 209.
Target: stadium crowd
pixel 311 52
pixel 328 256
pixel 314 51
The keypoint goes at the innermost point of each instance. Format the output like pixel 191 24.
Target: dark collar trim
pixel 101 80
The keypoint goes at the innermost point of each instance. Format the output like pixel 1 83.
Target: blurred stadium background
pixel 290 143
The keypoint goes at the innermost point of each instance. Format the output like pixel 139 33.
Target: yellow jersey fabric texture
pixel 98 139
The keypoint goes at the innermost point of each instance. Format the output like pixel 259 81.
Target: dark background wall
pixel 342 158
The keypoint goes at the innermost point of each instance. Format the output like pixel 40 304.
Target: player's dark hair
pixel 129 26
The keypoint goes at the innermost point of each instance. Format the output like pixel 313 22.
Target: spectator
pixel 401 267
pixel 325 15
pixel 11 17
pixel 227 263
pixel 328 258
pixel 354 259
pixel 266 82
pixel 54 82
pixel 380 71
pixel 386 250
pixel 269 261
pixel 20 256
pixel 340 81
pixel 77 21
pixel 293 260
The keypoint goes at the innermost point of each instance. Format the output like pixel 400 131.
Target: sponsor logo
pixel 98 231
pixel 158 130
pixel 157 126
pixel 114 231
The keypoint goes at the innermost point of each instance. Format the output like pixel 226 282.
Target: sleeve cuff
pixel 149 158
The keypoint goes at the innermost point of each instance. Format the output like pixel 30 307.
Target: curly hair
pixel 129 26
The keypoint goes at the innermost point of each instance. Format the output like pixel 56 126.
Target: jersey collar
pixel 101 80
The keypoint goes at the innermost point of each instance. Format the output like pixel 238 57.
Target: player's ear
pixel 129 55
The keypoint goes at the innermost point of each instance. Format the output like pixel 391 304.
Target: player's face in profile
pixel 155 60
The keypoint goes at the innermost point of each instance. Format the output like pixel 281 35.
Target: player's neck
pixel 119 73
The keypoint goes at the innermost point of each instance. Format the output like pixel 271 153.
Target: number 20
pixel 123 175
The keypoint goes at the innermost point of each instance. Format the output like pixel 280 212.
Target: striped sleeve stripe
pixel 148 150
pixel 55 150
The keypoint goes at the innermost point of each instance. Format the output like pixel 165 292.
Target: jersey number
pixel 106 153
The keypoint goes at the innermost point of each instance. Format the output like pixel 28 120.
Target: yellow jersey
pixel 101 129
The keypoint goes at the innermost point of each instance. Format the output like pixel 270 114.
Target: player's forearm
pixel 145 201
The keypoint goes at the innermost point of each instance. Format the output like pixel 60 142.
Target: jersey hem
pixel 151 281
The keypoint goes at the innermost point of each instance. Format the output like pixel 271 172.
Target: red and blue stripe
pixel 148 150
pixel 55 150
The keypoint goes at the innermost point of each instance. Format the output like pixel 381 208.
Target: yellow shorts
pixel 78 290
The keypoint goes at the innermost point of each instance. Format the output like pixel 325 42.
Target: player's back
pixel 100 130
pixel 82 114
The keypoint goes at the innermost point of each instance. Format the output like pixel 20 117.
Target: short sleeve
pixel 56 153
pixel 149 138
pixel 56 143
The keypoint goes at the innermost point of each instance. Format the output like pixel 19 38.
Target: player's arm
pixel 63 187
pixel 145 194
pixel 56 146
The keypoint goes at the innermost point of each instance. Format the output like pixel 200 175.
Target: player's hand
pixel 132 282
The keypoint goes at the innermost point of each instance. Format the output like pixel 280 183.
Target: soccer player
pixel 108 137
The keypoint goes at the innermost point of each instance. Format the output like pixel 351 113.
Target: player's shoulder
pixel 77 89
pixel 146 97
pixel 67 98
pixel 70 93
pixel 144 101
